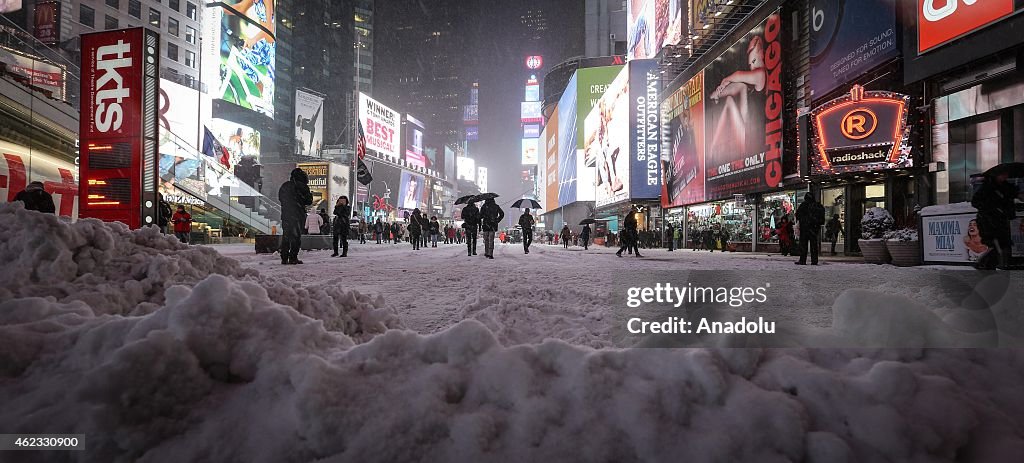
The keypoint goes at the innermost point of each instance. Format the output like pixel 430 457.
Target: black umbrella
pixel 465 199
pixel 486 196
pixel 587 221
pixel 1014 169
pixel 530 203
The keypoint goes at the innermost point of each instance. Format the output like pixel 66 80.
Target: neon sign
pixel 863 130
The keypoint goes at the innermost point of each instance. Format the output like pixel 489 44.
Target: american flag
pixel 361 142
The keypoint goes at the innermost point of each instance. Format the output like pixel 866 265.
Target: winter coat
pixel 182 222
pixel 491 216
pixel 435 228
pixel 585 233
pixel 526 221
pixel 415 224
pixel 294 196
pixel 313 223
pixel 994 201
pixel 341 217
pixel 164 213
pixel 471 217
pixel 832 229
pixel 811 215
pixel 785 231
pixel 565 233
pixel 378 228
pixel 36 198
pixel 629 223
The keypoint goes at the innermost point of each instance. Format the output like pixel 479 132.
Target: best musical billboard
pixel 744 110
pixel 380 126
pixel 309 123
pixel 242 62
pixel 848 38
pixel 652 25
pixel 684 179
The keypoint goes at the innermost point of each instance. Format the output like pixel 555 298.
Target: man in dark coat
pixel 491 216
pixel 669 235
pixel 811 216
pixel 36 198
pixel 526 222
pixel 378 230
pixel 294 196
pixel 339 228
pixel 628 236
pixel 415 228
pixel 832 231
pixel 585 236
pixel 994 202
pixel 471 219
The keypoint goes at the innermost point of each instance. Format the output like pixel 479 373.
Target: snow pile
pixel 117 271
pixel 875 223
pixel 903 234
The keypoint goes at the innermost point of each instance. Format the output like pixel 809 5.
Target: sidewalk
pixel 822 258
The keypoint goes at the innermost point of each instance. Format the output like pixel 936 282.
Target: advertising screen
pixel 466 167
pixel 645 129
pixel 410 193
pixel 939 23
pixel 529 151
pixel 532 92
pixel 431 155
pixel 471 114
pixel 744 107
pixel 551 135
pixel 449 163
pixel 39 73
pixel 607 131
pixel 652 25
pixel 309 123
pixel 481 178
pixel 567 144
pixel 684 180
pixel 592 83
pixel 238 139
pixel 531 112
pixel 414 142
pixel 472 133
pixel 245 57
pixel 383 191
pixel 849 38
pixel 380 126
pixel 318 173
pixel 180 136
pixel 531 130
pixel 47 22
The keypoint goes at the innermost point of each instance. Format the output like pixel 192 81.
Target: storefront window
pixel 724 215
pixel 773 207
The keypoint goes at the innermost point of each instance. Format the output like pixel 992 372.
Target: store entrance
pixel 861 198
pixel 834 200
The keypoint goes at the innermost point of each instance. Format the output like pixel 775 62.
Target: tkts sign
pixel 118 126
pixel 861 131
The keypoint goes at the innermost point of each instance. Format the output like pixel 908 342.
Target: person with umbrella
pixel 526 221
pixel 994 202
pixel 491 216
pixel 585 234
pixel 471 223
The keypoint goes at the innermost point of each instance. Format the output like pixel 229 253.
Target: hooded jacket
pixel 294 196
pixel 471 216
pixel 36 198
pixel 491 216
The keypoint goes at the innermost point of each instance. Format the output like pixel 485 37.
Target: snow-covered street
pixel 158 351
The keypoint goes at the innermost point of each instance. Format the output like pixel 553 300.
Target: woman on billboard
pixel 731 127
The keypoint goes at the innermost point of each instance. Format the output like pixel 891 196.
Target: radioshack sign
pixel 862 130
pixel 940 21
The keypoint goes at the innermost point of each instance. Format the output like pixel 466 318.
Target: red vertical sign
pixel 117 131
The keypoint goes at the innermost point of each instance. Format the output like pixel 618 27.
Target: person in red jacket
pixel 182 224
pixel 785 234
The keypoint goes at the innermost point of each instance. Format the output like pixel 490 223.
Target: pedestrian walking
pixel 415 229
pixel 585 236
pixel 339 228
pixel 36 198
pixel 628 235
pixel 471 223
pixel 526 222
pixel 313 223
pixel 491 216
pixel 182 224
pixel 811 216
pixel 564 235
pixel 294 196
pixel 435 231
pixel 363 230
pixel 832 230
pixel 996 209
pixel 378 230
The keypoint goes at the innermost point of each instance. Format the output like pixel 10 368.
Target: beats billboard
pixel 118 126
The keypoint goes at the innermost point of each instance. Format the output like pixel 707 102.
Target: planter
pixel 904 253
pixel 874 251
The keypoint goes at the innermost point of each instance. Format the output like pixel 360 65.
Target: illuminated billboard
pixel 534 62
pixel 472 133
pixel 380 126
pixel 48 77
pixel 862 131
pixel 684 179
pixel 652 25
pixel 849 39
pixel 181 109
pixel 20 165
pixel 414 142
pixel 531 112
pixel 410 193
pixel 466 168
pixel 550 167
pixel 532 92
pixel 240 140
pixel 309 123
pixel 47 23
pixel 481 178
pixel 243 60
pixel 530 147
pixel 743 114
pixel 531 130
